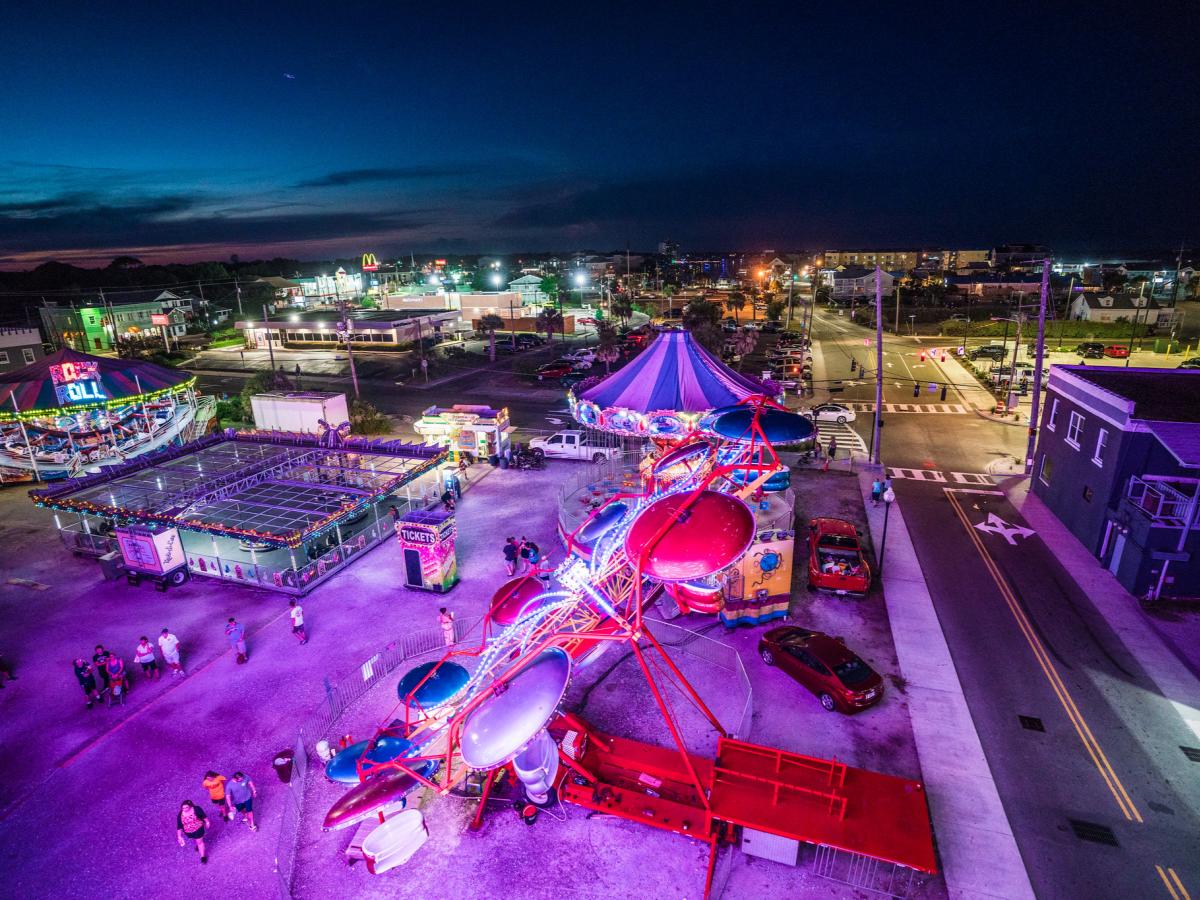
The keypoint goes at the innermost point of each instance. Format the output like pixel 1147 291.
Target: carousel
pixel 70 413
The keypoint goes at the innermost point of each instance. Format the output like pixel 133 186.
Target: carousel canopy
pixel 673 373
pixel 69 379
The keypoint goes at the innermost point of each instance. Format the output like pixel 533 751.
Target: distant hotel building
pixel 907 260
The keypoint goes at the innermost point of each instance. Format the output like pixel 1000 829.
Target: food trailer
pixel 467 428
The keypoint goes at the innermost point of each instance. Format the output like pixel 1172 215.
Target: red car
pixel 554 370
pixel 824 665
pixel 835 559
pixel 1116 351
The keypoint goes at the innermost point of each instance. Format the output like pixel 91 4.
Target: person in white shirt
pixel 169 644
pixel 297 614
pixel 143 655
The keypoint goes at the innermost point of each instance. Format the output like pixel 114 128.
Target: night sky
pixel 187 131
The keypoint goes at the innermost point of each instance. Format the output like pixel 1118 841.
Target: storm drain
pixel 1031 723
pixel 1090 831
pixel 1192 753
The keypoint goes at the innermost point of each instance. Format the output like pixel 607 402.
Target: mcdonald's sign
pixel 369 262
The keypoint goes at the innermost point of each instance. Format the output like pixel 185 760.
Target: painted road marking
pixel 938 408
pixel 939 476
pixel 1174 886
pixel 847 437
pixel 1006 530
pixel 1124 801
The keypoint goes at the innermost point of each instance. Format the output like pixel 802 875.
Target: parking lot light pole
pixel 889 497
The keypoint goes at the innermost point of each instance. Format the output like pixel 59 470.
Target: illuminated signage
pixel 439 262
pixel 159 319
pixel 411 534
pixel 370 263
pixel 77 382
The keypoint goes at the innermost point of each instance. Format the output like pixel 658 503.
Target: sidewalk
pixel 1176 681
pixel 978 853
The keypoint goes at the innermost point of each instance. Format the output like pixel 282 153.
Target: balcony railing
pixel 1161 503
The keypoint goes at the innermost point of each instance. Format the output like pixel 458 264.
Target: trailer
pixel 153 552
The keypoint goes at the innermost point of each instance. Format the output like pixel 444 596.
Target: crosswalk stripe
pixel 847 437
pixel 939 477
pixel 934 408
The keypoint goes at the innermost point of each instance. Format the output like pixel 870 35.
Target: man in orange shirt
pixel 215 785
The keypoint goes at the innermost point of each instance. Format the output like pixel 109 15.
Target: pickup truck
pixel 572 445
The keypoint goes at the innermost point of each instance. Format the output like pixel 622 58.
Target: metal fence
pixel 338 697
pixel 593 481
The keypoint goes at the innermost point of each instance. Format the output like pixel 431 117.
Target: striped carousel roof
pixel 673 373
pixel 33 388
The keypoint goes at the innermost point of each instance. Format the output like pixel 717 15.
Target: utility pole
pixel 878 365
pixel 1137 318
pixel 346 327
pixel 791 289
pixel 237 286
pixel 1038 363
pixel 897 310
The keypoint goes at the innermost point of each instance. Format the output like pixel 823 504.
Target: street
pixel 1084 749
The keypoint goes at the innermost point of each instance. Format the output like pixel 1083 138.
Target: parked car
pixel 791 337
pixel 1090 350
pixel 583 354
pixel 1001 374
pixel 1116 351
pixel 832 412
pixel 837 676
pixel 989 351
pixel 573 378
pixel 579 365
pixel 1193 363
pixel 573 445
pixel 772 327
pixel 835 558
pixel 526 341
pixel 554 370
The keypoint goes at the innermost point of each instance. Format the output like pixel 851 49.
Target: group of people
pixel 881 489
pixel 231 797
pixel 105 675
pixel 521 557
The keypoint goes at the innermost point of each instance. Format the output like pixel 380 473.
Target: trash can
pixel 504 462
pixel 111 565
pixel 284 761
pixel 493 460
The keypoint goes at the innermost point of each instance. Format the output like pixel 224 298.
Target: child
pixel 215 785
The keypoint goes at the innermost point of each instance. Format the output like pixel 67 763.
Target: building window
pixel 26 353
pixel 1074 429
pixel 1046 470
pixel 1101 445
pixel 1053 414
pixel 3 357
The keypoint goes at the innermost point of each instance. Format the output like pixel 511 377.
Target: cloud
pixel 348 177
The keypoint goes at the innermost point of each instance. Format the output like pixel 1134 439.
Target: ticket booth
pixel 427 543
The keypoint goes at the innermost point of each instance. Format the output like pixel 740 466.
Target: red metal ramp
pixel 822 802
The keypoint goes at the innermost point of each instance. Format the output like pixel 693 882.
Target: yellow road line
pixel 1179 884
pixel 1167 881
pixel 1124 801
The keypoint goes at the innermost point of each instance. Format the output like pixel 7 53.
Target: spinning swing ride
pixel 497 705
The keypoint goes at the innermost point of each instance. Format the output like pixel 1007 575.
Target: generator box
pixel 301 411
pixel 151 549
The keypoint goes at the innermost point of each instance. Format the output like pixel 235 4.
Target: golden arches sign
pixel 369 262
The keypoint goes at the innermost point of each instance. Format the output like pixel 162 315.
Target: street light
pixel 497 280
pixel 912 325
pixel 889 497
pixel 580 282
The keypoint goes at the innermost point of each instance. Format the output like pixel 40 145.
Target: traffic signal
pixel 853 364
pixel 916 389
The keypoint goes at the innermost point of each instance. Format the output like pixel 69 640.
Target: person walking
pixel 296 611
pixel 241 792
pixel 215 785
pixel 87 680
pixel 143 655
pixel 524 554
pixel 189 825
pixel 235 632
pixel 832 449
pixel 169 645
pixel 876 491
pixel 533 553
pixel 510 555
pixel 446 620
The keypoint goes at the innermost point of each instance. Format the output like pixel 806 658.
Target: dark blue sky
pixel 189 131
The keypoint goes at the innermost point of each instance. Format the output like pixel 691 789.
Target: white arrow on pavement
pixel 997 525
pixel 553 420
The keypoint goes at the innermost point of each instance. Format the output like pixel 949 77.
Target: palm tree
pixel 608 352
pixel 735 303
pixel 703 319
pixel 550 320
pixel 621 307
pixel 744 342
pixel 489 325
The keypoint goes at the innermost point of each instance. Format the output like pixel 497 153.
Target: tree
pixel 489 325
pixel 550 320
pixel 775 310
pixel 735 303
pixel 621 306
pixel 263 382
pixel 744 342
pixel 549 287
pixel 366 419
pixel 609 350
pixel 703 319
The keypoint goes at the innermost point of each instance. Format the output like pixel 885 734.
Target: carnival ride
pixel 497 705
pixel 72 412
